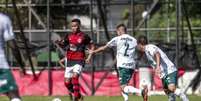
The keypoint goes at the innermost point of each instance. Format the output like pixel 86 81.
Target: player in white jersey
pixel 163 67
pixel 125 47
pixel 7 82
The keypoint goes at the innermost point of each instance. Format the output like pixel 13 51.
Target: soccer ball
pixel 144 83
pixel 144 14
pixel 56 99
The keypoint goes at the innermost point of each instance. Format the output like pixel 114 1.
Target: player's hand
pixel 87 61
pixel 62 67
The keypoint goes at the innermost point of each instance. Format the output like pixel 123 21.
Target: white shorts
pixel 73 69
pixel 3 63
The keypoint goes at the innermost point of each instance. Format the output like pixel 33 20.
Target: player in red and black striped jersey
pixel 77 43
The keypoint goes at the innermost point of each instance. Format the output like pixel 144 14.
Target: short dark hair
pixel 142 40
pixel 76 20
pixel 121 25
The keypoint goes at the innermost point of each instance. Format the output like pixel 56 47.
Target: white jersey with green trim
pixel 166 65
pixel 125 45
pixel 6 33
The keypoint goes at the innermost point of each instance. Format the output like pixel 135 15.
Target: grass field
pixel 99 98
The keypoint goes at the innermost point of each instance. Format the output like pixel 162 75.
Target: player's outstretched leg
pixel 131 89
pixel 125 96
pixel 180 93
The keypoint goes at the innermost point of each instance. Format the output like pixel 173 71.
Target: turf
pixel 99 98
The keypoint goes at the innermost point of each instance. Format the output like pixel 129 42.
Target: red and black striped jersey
pixel 77 43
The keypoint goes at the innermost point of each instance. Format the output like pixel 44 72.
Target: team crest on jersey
pixel 79 40
pixel 70 38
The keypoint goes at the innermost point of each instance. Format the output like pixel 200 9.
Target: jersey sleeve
pixel 87 39
pixel 152 50
pixel 8 31
pixel 112 42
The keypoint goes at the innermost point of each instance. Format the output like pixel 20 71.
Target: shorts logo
pixel 3 82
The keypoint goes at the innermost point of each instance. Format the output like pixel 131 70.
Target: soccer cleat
pixel 81 98
pixel 145 93
pixel 78 99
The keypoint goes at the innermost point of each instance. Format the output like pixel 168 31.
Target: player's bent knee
pixel 171 87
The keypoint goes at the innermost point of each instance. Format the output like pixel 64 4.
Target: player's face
pixel 140 47
pixel 75 27
pixel 120 30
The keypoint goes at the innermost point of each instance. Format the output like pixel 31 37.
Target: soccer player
pixel 163 67
pixel 77 42
pixel 7 81
pixel 125 45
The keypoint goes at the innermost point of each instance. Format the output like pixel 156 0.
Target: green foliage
pixel 164 19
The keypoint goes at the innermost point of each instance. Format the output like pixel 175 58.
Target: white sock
pixel 181 94
pixel 16 99
pixel 125 96
pixel 171 97
pixel 131 89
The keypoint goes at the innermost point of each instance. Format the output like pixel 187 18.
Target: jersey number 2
pixel 127 46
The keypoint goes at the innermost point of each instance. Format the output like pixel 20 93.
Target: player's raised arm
pixel 110 44
pixel 102 48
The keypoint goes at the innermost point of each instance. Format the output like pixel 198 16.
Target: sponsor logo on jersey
pixel 128 64
pixel 127 39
